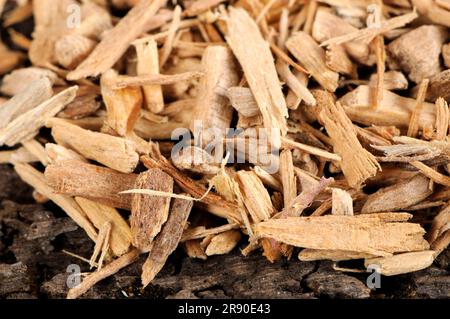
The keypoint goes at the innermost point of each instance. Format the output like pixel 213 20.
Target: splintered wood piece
pixel 200 6
pixel 442 119
pixel 402 263
pixel 408 51
pixel 37 180
pixel 117 40
pixel 148 64
pixel 288 178
pixel 201 231
pixel 379 234
pixel 243 101
pixel 440 224
pixel 38 92
pixel 392 80
pixel 334 255
pixel 295 84
pixel 287 143
pixel 431 173
pixel 167 241
pixel 36 148
pixel 312 58
pixel 256 197
pixel 327 25
pixel 337 60
pixel 21 155
pixel 105 272
pixel 100 214
pixel 213 111
pixel 114 152
pixel 101 245
pixel 254 55
pixel 100 184
pixel 20 80
pixel 168 43
pixel 149 213
pixel 413 127
pixel 27 125
pixel 357 164
pixel 223 243
pixel 123 105
pixel 71 50
pixel 393 109
pixel 342 203
pixel 194 250
pixel 56 153
pixel 398 196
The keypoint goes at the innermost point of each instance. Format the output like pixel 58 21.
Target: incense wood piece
pixel 20 80
pixel 431 173
pixel 357 163
pixel 194 250
pixel 334 255
pixel 100 184
pixel 342 203
pixel 124 81
pixel 28 124
pixel 337 60
pixel 123 105
pixel 413 126
pixel 290 144
pixel 100 214
pixel 223 243
pixel 114 152
pixel 253 53
pixel 71 50
pixel 105 272
pixel 202 232
pixel 288 178
pixel 212 110
pixel 439 86
pixel 116 41
pixel 200 6
pixel 56 153
pixel 398 196
pixel 440 224
pixel 409 53
pixel 393 80
pixel 256 197
pixel 294 83
pixel 149 213
pixel 442 119
pixel 196 160
pixel 312 57
pixel 38 92
pixel 148 64
pixel 379 235
pixel 392 109
pixel 243 101
pixel 402 263
pixel 167 241
pixel 433 11
pixel 37 180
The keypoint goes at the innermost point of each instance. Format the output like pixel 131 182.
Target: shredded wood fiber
pixel 313 129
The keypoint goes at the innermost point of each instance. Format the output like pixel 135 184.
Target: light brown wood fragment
pixel 446 54
pixel 149 213
pixel 123 105
pixel 403 263
pixel 342 203
pixel 393 80
pixel 36 149
pixel 37 180
pixel 28 124
pixel 105 272
pixel 223 243
pixel 116 41
pixel 20 80
pixel 433 11
pixel 20 155
pixel 212 110
pixel 256 197
pixel 312 57
pixel 242 100
pixel 167 241
pixel 416 114
pixel 393 109
pixel 101 245
pixel 100 184
pixel 124 81
pixel 148 64
pixel 337 60
pixel 253 53
pixel 100 214
pixel 194 250
pixel 56 153
pixel 442 119
pixel 294 83
pixel 288 178
pixel 197 7
pixel 378 235
pixel 334 255
pixel 440 224
pixel 10 59
pixel 287 143
pixel 71 50
pixel 398 196
pixel 114 152
pixel 201 231
pixel 168 43
pixel 195 159
pixel 414 60
pixel 38 92
pixel 357 163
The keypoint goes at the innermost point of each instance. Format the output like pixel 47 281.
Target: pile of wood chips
pixel 356 91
